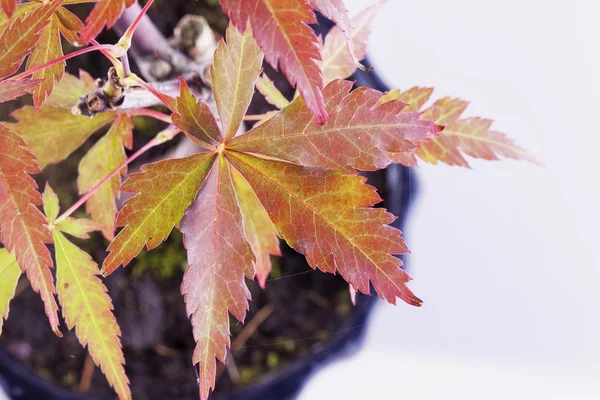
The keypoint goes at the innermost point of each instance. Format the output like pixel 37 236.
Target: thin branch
pixel 146 112
pixel 150 46
pixel 125 62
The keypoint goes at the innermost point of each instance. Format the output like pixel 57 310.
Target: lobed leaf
pixel 272 95
pixel 9 277
pixel 219 257
pixel 80 228
pixel 53 133
pixel 23 229
pixel 360 133
pixel 10 90
pixel 470 136
pixel 326 215
pixel 104 157
pixel 165 190
pixel 48 48
pixel 281 29
pixel 258 227
pixel 414 97
pixel 70 89
pixel 237 65
pixel 105 13
pixel 87 307
pixel 195 118
pixel 51 206
pixel 18 38
pixel 338 59
pixel 335 10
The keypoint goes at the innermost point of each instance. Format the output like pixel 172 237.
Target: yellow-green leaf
pixel 53 133
pixel 9 276
pixel 238 63
pixel 258 227
pixel 87 307
pixel 166 189
pixel 78 227
pixel 47 49
pixel 106 155
pixel 70 89
pixel 51 206
pixel 272 95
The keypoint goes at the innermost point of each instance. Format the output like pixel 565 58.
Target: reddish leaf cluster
pixel 293 176
pixel 289 175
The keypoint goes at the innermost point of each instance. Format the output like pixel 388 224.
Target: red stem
pixel 61 59
pixel 160 138
pixel 146 112
pixel 129 32
pixel 110 57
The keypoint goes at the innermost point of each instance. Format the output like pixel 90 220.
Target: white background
pixel 505 255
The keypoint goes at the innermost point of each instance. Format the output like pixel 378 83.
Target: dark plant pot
pixel 397 187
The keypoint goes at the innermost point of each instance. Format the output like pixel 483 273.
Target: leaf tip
pixel 57 331
pixel 415 301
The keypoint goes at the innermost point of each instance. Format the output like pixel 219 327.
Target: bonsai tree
pixel 293 176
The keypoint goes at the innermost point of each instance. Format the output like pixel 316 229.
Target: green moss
pixel 272 360
pixel 166 261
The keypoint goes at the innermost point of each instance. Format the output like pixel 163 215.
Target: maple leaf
pixel 258 227
pixel 53 133
pixel 281 29
pixel 78 227
pixel 9 277
pixel 105 156
pixel 238 62
pixel 18 37
pixel 230 202
pixel 414 97
pixel 219 257
pixel 336 11
pixel 23 227
pixel 48 48
pixel 105 13
pixel 10 90
pixel 272 95
pixel 338 59
pixel 470 136
pixel 85 303
pixel 166 189
pixel 325 215
pixel 360 132
pixel 9 6
pixel 195 119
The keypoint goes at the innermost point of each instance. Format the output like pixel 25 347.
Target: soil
pixel 304 307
